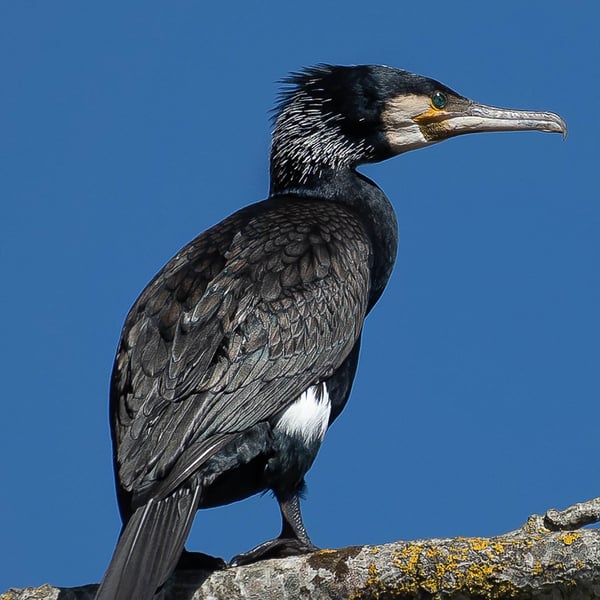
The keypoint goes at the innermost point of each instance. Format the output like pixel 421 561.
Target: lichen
pixel 334 561
pixel 478 544
pixel 498 547
pixel 569 537
pixel 374 588
pixel 439 571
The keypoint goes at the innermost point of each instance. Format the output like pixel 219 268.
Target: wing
pixel 231 331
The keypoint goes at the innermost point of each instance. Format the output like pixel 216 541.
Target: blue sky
pixel 128 128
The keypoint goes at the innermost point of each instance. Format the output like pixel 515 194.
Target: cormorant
pixel 241 352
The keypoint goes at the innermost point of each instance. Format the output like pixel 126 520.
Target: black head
pixel 332 118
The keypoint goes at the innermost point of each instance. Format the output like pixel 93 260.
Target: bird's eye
pixel 439 100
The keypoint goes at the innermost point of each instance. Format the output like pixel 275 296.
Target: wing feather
pixel 232 330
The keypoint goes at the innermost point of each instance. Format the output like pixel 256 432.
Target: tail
pixel 150 546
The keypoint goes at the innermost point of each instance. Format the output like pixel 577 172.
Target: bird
pixel 241 352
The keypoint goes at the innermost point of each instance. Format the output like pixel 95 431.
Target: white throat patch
pixel 307 418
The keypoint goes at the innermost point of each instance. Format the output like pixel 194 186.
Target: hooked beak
pixel 471 117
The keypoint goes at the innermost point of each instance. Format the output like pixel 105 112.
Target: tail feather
pixel 150 546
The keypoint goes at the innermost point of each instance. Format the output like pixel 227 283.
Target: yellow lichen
pixel 569 538
pixel 373 575
pixel 407 558
pixel 498 547
pixel 465 567
pixel 478 544
pixel 468 566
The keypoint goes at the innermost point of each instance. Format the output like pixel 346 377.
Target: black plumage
pixel 242 350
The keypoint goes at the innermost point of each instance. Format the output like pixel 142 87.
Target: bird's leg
pixel 292 540
pixel 292 526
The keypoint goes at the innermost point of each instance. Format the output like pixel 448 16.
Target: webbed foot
pixel 276 548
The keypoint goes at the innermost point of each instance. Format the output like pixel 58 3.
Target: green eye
pixel 439 100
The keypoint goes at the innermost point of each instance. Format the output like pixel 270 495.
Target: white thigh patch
pixel 308 417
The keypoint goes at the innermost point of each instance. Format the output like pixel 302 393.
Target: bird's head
pixel 332 118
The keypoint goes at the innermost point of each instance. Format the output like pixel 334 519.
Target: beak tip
pixel 562 127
